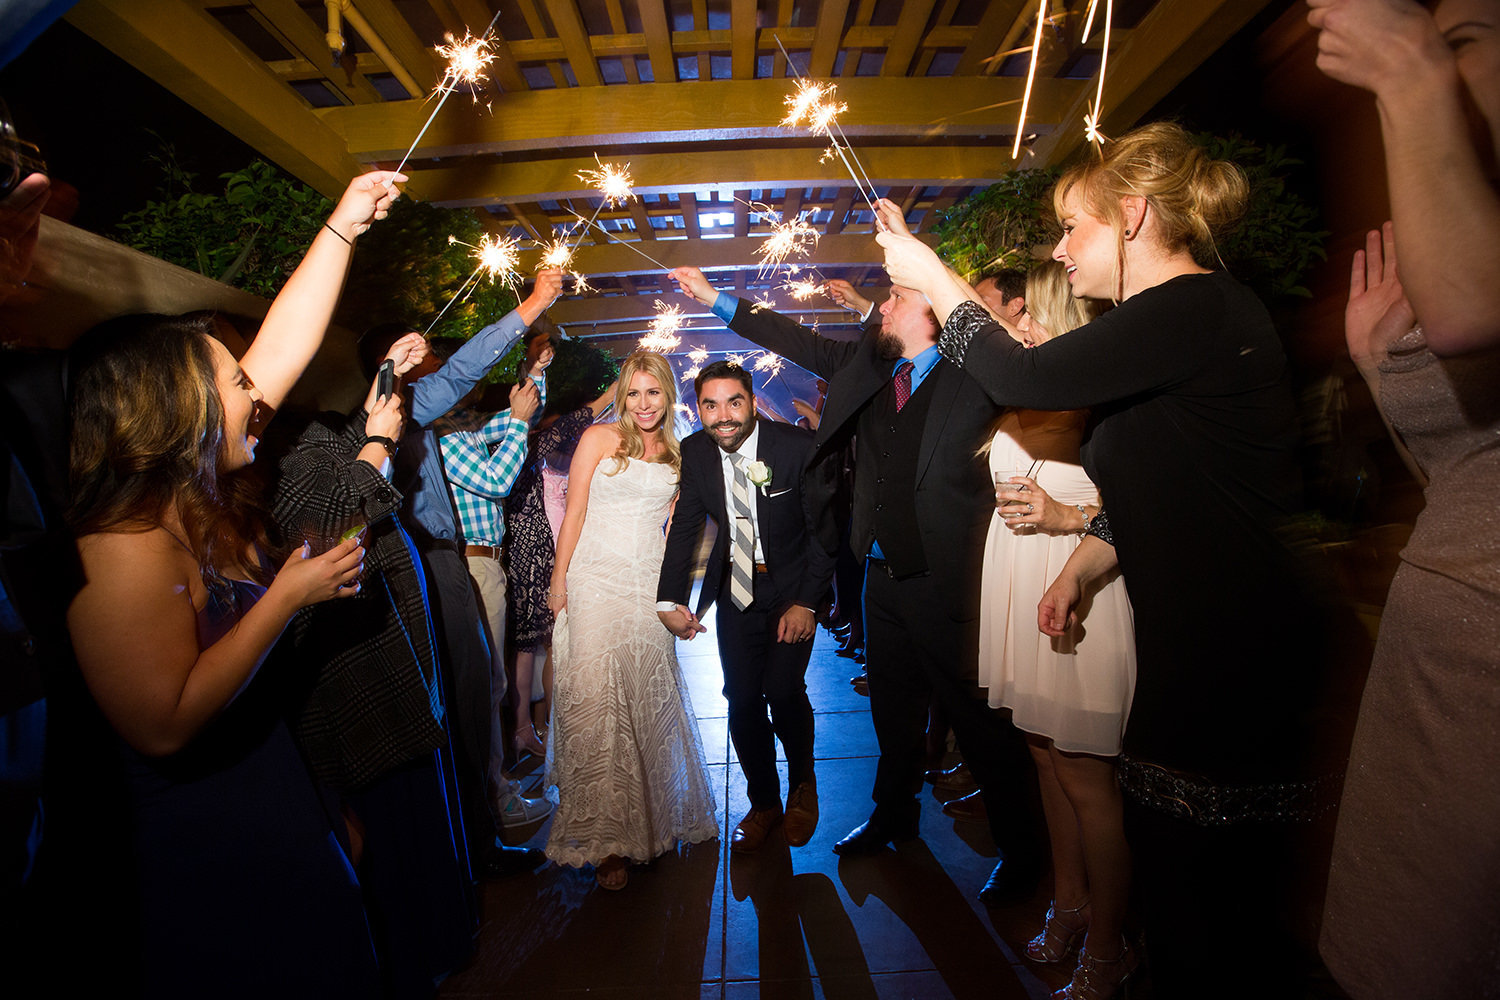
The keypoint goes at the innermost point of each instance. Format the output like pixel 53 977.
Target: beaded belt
pixel 1194 798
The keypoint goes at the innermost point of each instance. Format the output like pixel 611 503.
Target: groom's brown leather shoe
pixel 751 831
pixel 801 814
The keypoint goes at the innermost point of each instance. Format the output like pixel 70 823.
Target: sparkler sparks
pixel 1091 128
pixel 698 356
pixel 496 256
pixel 559 255
pixel 818 105
pixel 467 60
pixel 688 374
pixel 663 337
pixel 611 181
pixel 788 237
pixel 801 289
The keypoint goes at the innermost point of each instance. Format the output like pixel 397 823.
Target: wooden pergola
pixel 689 93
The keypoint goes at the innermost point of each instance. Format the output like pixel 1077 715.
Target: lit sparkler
pixel 497 257
pixel 794 236
pixel 1091 124
pixel 688 374
pixel 818 105
pixel 559 256
pixel 1036 53
pixel 663 337
pixel 771 364
pixel 467 60
pixel 736 359
pixel 698 355
pixel 613 184
pixel 802 289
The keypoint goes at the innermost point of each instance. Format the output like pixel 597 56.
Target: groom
pixel 771 564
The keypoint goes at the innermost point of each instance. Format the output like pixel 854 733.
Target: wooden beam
pixel 828 38
pixel 306 39
pixel 909 24
pixel 687 203
pixel 612 258
pixel 1168 44
pixel 985 39
pixel 841 203
pixel 617 25
pixel 575 38
pixel 642 220
pixel 396 34
pixel 693 112
pixel 184 49
pixel 742 39
pixel 658 31
pixel 488 183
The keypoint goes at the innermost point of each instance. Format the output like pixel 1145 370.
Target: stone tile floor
pixel 796 923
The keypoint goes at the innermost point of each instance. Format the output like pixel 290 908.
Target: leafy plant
pixel 998 227
pixel 252 235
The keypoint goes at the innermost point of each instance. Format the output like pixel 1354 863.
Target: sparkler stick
pixel 466 61
pixel 622 243
pixel 1036 51
pixel 496 257
pixel 1091 128
pixel 815 102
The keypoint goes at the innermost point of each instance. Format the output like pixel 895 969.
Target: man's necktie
pixel 903 383
pixel 742 540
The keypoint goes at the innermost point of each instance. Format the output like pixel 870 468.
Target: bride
pixel 624 761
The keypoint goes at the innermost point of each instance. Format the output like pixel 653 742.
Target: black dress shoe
pixel 1014 880
pixel 871 838
pixel 503 862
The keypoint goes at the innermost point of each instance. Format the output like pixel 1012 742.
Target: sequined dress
pixel 624 760
pixel 1416 866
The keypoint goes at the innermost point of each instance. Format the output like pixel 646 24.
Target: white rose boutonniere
pixel 759 474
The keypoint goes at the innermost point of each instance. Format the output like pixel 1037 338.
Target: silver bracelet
pixel 1085 529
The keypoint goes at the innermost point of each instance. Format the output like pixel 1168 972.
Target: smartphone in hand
pixel 385 379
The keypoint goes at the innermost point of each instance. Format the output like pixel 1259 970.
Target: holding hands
pixel 681 622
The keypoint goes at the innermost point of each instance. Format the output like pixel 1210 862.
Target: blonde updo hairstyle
pixel 632 440
pixel 1191 195
pixel 1051 303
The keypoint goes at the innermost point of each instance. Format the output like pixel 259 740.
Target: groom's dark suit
pixel 797 538
pixel 924 493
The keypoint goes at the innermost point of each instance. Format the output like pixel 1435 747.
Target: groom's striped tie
pixel 742 540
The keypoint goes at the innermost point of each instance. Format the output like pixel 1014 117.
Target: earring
pixel 1127 232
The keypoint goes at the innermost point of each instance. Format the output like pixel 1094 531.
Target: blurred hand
pixel 20 224
pixel 408 352
pixel 366 199
pixel 307 579
pixel 843 293
pixel 1378 311
pixel 1375 44
pixel 690 281
pixel 386 418
pixel 524 399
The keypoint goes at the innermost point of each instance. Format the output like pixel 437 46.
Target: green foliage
pixel 998 227
pixel 1277 242
pixel 252 235
pixel 408 269
pixel 1271 250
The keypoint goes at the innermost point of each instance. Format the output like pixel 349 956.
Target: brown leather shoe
pixel 970 807
pixel 751 831
pixel 801 814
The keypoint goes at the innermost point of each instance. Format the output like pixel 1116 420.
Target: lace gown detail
pixel 624 761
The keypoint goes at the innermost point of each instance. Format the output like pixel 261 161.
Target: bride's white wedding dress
pixel 624 759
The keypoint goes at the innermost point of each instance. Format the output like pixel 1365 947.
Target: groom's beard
pixel 735 439
pixel 888 345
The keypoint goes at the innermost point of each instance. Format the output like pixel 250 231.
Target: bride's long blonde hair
pixel 632 441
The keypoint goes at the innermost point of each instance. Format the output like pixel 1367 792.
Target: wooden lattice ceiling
pixel 688 92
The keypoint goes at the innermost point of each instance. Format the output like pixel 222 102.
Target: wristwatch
pixel 390 446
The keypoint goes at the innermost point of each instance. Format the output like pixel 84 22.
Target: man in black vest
pixel 770 567
pixel 923 500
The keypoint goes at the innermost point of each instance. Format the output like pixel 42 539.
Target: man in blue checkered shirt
pixel 482 456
